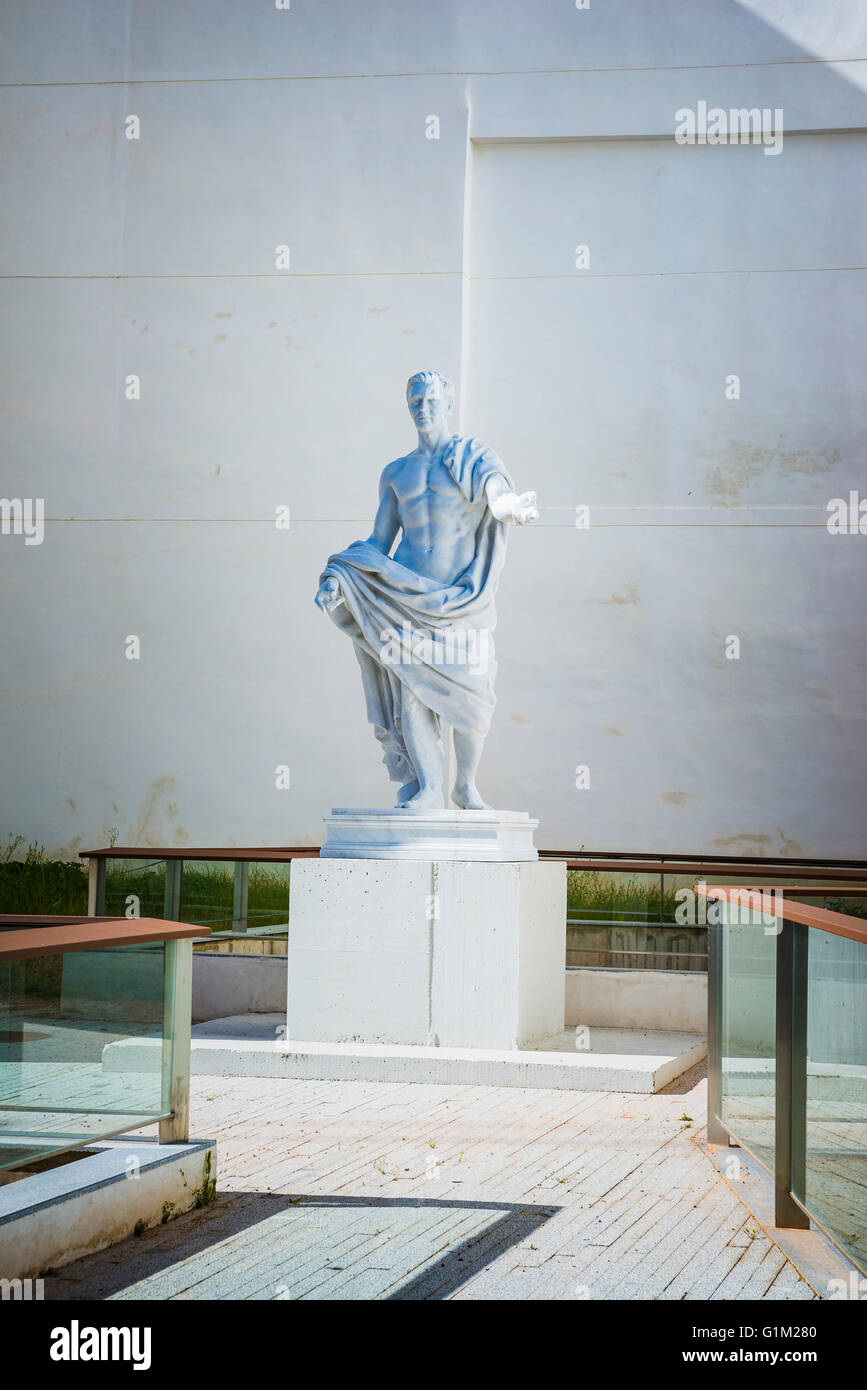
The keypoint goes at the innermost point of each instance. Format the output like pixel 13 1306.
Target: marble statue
pixel 421 619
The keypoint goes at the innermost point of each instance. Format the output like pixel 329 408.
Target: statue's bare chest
pixel 421 476
pixel 421 482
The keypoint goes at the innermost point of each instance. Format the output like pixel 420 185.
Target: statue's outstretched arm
pixel 510 506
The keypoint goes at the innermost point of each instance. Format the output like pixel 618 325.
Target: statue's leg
pixel 468 751
pixel 420 730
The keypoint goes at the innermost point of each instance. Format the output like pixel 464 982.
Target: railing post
pixel 716 1134
pixel 172 896
pixel 96 886
pixel 239 905
pixel 800 962
pixel 178 1000
pixel 791 1074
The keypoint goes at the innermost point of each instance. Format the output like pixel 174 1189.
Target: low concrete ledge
pixel 51 1218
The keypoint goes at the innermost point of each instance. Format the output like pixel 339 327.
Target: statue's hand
pixel 512 506
pixel 329 594
pixel 525 509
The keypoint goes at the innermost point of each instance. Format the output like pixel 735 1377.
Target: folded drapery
pixel 414 632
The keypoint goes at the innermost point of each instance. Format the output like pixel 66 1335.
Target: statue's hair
pixel 446 386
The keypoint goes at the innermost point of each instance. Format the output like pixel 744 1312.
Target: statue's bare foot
pixel 466 796
pixel 429 798
pixel 408 790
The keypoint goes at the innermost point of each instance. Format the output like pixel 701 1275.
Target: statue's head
pixel 430 397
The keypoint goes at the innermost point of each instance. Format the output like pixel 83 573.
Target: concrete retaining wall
pixel 224 985
pixel 671 999
pixel 227 985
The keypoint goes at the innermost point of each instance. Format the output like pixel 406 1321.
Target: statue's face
pixel 428 405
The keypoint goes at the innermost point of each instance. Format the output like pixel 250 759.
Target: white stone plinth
pixel 454 954
pixel 498 836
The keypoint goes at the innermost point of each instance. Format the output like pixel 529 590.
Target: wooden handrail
pixel 667 858
pixel 851 890
pixel 705 869
pixel 41 919
pixel 230 854
pixel 836 923
pixel 848 870
pixel 87 934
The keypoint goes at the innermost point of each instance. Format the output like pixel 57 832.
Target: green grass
pixel 608 896
pixel 853 907
pixel 35 884
pixel 207 892
pixel 591 893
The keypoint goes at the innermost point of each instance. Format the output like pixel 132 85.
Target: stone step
pixel 614 1059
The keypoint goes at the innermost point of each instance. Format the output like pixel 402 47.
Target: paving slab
pixel 356 1190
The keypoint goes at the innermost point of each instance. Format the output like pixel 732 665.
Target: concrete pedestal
pixel 444 953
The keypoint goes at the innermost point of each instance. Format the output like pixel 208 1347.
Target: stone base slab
pixel 638 1061
pixel 498 836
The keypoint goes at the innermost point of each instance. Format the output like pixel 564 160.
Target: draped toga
pixel 449 624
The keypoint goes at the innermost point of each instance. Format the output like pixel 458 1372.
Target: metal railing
pixel 74 994
pixel 621 915
pixel 787 1052
pixel 641 913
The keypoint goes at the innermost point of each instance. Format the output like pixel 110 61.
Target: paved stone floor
pixel 352 1190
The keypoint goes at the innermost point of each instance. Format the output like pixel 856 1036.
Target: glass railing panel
pixel 748 1027
pixel 268 895
pixel 82 1048
pixel 852 904
pixel 210 894
pixel 135 888
pixel 681 904
pixel 656 946
pixel 612 918
pixel 833 1185
pixel 683 912
pixel 609 896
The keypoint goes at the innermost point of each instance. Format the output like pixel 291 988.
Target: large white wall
pixel 602 386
